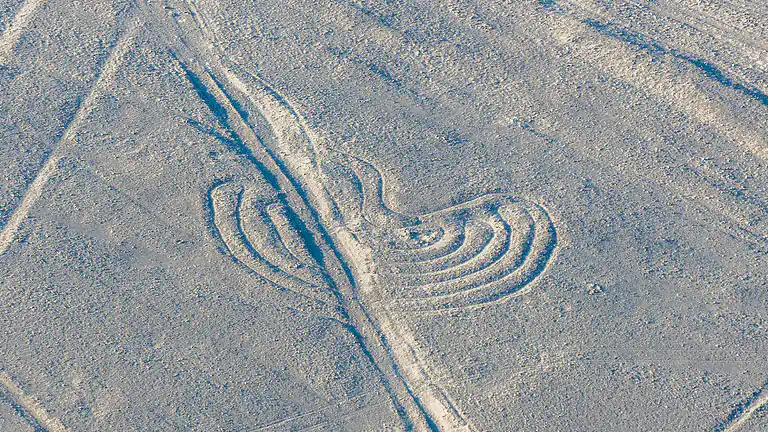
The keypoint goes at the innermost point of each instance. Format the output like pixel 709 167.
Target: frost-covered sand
pixel 369 215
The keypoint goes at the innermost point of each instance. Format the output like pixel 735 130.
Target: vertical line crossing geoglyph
pixel 370 262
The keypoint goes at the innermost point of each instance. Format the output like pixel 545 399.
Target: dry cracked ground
pixel 374 215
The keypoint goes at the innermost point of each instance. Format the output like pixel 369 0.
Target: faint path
pixel 579 31
pixel 21 20
pixel 740 415
pixel 50 167
pixel 30 406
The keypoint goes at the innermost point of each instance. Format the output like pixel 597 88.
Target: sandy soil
pixel 369 215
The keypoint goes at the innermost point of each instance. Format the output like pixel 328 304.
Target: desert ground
pixel 377 215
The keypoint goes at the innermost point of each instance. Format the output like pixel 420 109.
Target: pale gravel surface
pixel 630 138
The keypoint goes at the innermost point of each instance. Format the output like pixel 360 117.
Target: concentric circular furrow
pixel 477 236
pixel 452 239
pixel 515 243
pixel 507 277
pixel 494 250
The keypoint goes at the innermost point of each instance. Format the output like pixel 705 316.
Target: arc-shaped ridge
pixel 226 204
pixel 478 234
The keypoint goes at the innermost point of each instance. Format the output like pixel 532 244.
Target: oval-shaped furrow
pixel 264 235
pixel 226 202
pixel 531 260
pixel 478 209
pixel 494 250
pixel 478 234
pixel 451 240
pixel 517 245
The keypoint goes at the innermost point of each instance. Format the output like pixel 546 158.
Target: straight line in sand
pixel 30 405
pixel 742 417
pixel 21 20
pixel 657 77
pixel 50 167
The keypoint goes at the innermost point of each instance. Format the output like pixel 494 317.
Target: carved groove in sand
pixel 483 250
pixel 312 222
pixel 307 212
pixel 257 229
pixel 479 251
